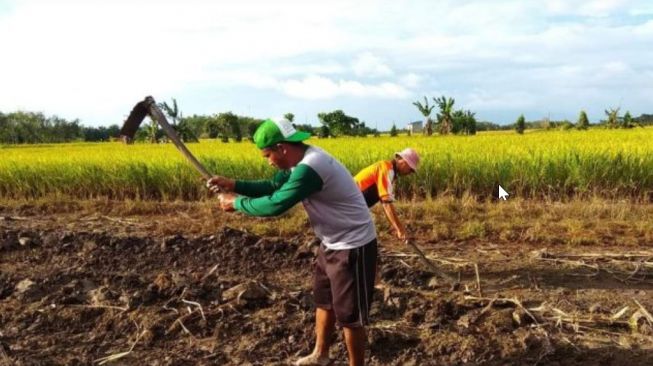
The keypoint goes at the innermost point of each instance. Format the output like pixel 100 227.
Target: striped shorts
pixel 344 282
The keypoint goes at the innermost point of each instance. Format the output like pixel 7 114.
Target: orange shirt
pixel 376 181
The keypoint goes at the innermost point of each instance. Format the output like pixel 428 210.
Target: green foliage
pixel 251 126
pixel 153 132
pixel 489 126
pixel 583 122
pixel 30 128
pixel 171 111
pixel 463 122
pixel 393 131
pixel 305 127
pixel 644 119
pixel 566 125
pixel 339 123
pixel 520 125
pixel 628 120
pixel 324 132
pixel 197 124
pixel 229 126
pixel 96 134
pixel 180 124
pixel 290 117
pixel 213 128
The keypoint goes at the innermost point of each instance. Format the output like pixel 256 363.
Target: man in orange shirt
pixel 376 182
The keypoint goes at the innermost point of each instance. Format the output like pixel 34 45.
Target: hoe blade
pixel 134 120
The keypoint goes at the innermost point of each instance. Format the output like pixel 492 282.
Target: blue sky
pixel 94 59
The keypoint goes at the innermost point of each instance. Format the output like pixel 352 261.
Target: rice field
pixel 539 164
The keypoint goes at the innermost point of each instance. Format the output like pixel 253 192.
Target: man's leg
pixel 324 318
pixel 325 323
pixel 355 339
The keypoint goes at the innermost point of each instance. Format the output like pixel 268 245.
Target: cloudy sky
pixel 94 59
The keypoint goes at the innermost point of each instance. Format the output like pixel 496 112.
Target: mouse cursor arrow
pixel 502 193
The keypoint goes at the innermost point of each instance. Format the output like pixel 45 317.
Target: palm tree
pixel 444 117
pixel 426 109
pixel 179 124
pixel 172 112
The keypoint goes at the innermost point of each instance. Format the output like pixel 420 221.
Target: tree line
pixel 448 120
pixel 613 120
pixel 35 127
pixel 30 127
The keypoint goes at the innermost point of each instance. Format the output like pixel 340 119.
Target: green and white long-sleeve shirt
pixel 335 205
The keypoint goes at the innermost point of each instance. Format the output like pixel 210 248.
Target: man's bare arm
pixel 391 214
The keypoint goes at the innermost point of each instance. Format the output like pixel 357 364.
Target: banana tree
pixel 444 117
pixel 426 109
pixel 613 117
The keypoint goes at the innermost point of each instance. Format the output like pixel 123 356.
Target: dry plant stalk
pixel 616 265
pixel 195 304
pixel 117 356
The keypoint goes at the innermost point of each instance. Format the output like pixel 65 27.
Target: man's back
pixel 338 212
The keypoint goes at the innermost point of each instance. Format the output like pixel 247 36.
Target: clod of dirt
pixel 468 319
pixel 163 282
pixel 6 285
pixel 499 321
pixel 28 290
pixel 399 275
pixel 248 291
pixel 76 291
pixel 303 299
pixel 8 240
pixel 50 239
pixel 386 341
pixel 5 244
pixel 89 246
pixel 537 342
pixel 172 241
pixel 101 296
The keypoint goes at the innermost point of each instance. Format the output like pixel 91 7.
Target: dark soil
pixel 77 293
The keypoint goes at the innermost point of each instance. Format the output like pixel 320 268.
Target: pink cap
pixel 411 157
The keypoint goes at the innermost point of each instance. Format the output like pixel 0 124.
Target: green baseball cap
pixel 273 131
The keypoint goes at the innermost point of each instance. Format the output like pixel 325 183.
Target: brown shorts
pixel 344 283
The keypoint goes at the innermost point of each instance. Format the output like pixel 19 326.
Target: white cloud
pixel 318 87
pixel 600 7
pixel 589 8
pixel 367 64
pixel 410 80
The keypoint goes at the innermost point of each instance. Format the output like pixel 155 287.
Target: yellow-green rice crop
pixel 611 163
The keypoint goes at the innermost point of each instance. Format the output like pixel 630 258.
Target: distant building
pixel 415 127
